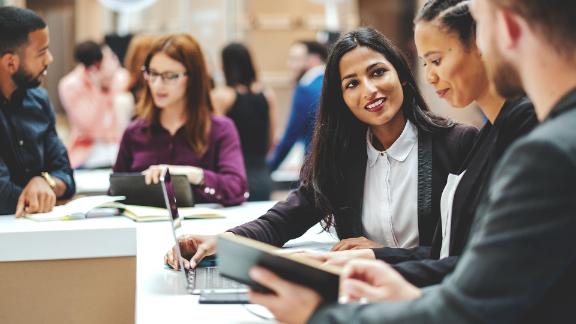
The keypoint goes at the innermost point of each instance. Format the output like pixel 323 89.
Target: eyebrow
pixel 43 48
pixel 351 75
pixel 426 55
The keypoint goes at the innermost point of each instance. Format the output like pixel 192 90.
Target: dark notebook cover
pixel 237 255
pixel 137 192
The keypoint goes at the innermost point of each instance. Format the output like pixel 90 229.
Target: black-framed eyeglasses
pixel 167 77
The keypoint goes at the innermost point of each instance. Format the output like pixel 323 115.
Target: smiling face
pixel 455 71
pixel 371 87
pixel 34 60
pixel 168 86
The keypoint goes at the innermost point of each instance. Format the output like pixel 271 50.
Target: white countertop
pixel 26 240
pixel 161 295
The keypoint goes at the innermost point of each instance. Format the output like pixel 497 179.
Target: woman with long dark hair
pixel 176 127
pixel 379 158
pixel 444 35
pixel 251 106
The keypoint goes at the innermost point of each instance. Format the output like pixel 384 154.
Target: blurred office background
pixel 268 27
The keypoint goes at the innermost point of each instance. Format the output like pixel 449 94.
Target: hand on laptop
pixel 339 258
pixel 374 280
pixel 356 243
pixel 152 174
pixel 193 248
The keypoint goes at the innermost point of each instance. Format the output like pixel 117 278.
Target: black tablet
pixel 137 192
pixel 236 255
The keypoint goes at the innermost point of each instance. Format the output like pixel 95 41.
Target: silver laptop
pixel 201 280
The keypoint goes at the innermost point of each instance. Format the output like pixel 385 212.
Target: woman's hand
pixel 338 258
pixel 374 280
pixel 356 243
pixel 193 248
pixel 289 302
pixel 152 174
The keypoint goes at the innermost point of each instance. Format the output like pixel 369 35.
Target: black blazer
pixel 520 263
pixel 516 119
pixel 438 155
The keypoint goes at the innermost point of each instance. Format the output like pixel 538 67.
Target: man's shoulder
pixel 558 132
pixel 37 98
pixel 550 148
pixel 37 93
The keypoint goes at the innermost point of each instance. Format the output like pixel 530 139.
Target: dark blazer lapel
pixel 349 208
pixel 424 182
pixel 469 189
pixel 355 198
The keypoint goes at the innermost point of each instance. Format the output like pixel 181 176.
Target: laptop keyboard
pixel 209 278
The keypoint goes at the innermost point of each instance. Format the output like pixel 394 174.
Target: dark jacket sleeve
pixel 56 156
pixel 422 273
pixel 519 266
pixel 396 255
pixel 288 219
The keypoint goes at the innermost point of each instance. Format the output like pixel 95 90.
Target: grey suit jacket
pixel 520 264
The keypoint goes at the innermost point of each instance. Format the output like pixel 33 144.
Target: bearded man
pixel 34 166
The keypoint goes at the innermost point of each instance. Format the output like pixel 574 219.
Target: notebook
pixel 94 206
pixel 237 255
pixel 150 214
pixel 75 209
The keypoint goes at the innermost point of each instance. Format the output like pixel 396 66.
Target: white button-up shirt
pixel 446 203
pixel 390 206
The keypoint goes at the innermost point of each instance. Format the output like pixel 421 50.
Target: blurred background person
pixel 306 60
pixel 90 96
pixel 252 107
pixel 176 127
pixel 136 54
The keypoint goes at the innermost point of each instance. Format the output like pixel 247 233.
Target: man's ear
pixel 511 27
pixel 10 62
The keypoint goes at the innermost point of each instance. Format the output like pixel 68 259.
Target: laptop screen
pixel 170 201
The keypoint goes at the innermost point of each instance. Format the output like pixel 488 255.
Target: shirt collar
pixel 400 148
pixel 566 103
pixel 311 75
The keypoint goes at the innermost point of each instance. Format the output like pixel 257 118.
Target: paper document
pixel 147 214
pixel 75 209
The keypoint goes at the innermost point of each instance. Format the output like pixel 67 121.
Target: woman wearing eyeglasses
pixel 177 129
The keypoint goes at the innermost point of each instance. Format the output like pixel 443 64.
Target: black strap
pixel 424 181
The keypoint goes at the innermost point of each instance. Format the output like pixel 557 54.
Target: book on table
pixel 84 207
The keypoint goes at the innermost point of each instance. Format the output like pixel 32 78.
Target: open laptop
pixel 201 280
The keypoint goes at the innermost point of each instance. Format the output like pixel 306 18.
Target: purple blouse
pixel 223 164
